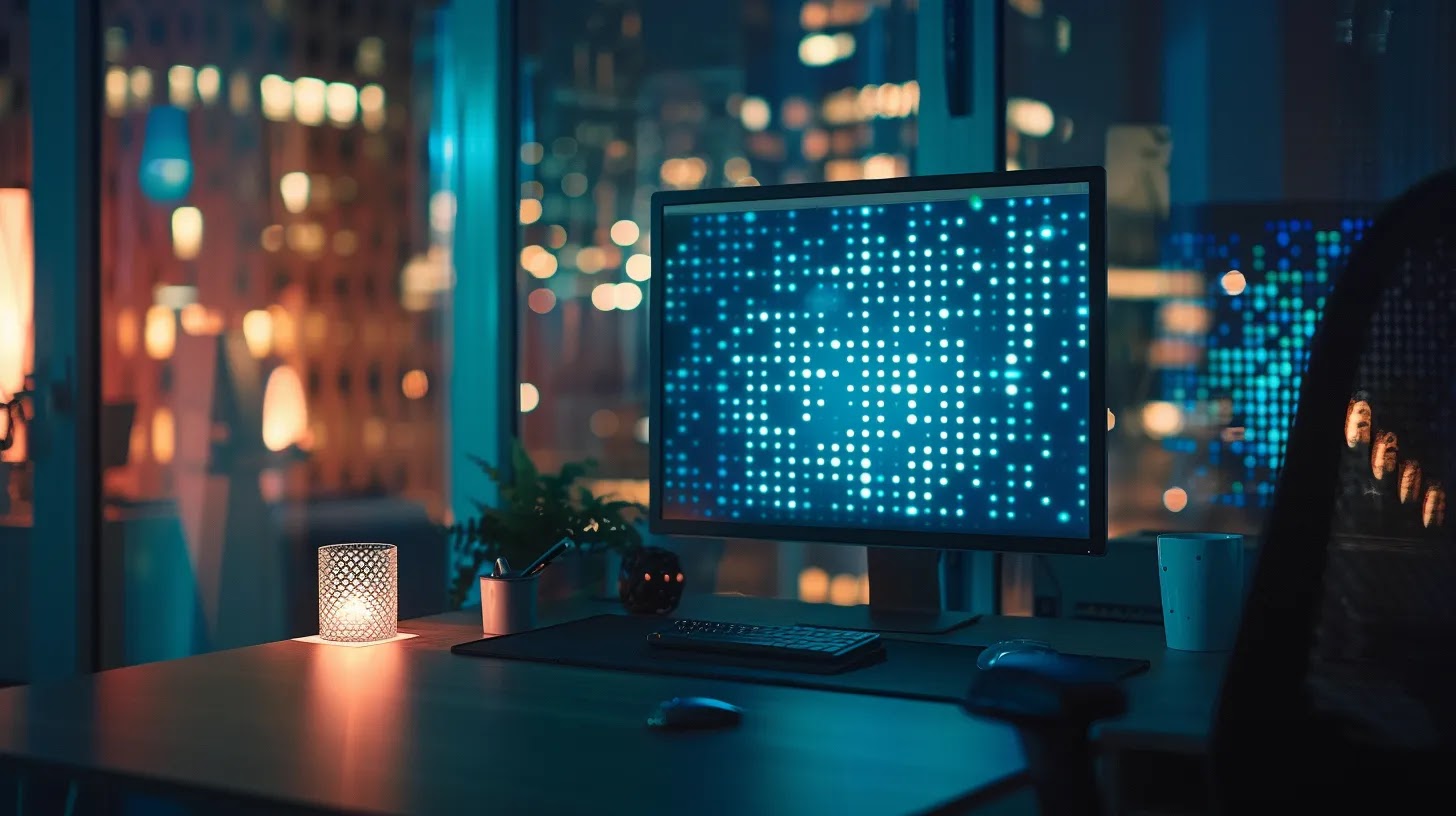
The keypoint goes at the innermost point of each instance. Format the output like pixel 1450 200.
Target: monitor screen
pixel 914 362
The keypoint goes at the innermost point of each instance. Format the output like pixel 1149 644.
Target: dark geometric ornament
pixel 651 581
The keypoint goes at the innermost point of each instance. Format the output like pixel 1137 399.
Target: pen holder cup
pixel 508 605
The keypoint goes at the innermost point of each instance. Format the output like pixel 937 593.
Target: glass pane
pixel 1238 180
pixel 620 100
pixel 273 293
pixel 17 335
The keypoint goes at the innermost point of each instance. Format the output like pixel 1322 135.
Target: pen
pixel 547 557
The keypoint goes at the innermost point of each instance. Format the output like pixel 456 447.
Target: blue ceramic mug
pixel 1202 580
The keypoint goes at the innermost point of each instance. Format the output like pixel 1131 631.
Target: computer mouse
pixel 993 653
pixel 694 714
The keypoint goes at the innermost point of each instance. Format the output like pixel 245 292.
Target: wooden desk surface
pixel 409 728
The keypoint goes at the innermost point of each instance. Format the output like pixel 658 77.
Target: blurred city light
pixel 530 397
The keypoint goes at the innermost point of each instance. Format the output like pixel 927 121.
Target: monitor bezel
pixel 1095 543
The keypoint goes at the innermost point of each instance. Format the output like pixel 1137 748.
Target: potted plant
pixel 534 510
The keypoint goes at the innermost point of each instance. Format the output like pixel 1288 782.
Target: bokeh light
pixel 625 233
pixel 1175 499
pixel 415 384
pixel 541 301
pixel 530 397
pixel 813 585
pixel 754 113
pixel 604 296
pixel 1162 419
pixel 605 424
pixel 639 267
pixel 628 296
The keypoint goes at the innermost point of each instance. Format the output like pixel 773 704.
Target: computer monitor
pixel 910 362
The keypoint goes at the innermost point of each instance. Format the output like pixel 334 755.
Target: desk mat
pixel 913 670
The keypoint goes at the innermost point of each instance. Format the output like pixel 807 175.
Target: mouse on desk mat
pixel 996 652
pixel 694 714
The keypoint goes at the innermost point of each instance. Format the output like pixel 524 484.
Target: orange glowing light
pixel 1175 499
pixel 844 590
pixel 415 384
pixel 17 284
pixel 541 301
pixel 813 585
pixel 127 332
pixel 285 409
pixel 164 436
pixel 159 334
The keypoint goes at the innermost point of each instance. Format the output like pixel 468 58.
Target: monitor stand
pixel 907 596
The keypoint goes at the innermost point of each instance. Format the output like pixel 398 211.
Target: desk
pixel 409 728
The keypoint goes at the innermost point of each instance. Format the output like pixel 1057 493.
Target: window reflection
pixel 273 272
pixel 1226 228
pixel 624 99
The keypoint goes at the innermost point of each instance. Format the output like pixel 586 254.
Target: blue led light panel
pixel 879 362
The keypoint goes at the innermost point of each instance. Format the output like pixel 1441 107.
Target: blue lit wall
pixel 903 366
pixel 1257 346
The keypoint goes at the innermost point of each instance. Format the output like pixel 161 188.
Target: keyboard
pixel 802 643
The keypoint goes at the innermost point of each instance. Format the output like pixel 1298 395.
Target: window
pixel 17 350
pixel 255 376
pixel 1247 147
pixel 620 100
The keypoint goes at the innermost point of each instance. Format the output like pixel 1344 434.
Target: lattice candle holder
pixel 358 592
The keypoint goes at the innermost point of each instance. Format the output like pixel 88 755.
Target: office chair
pixel 1341 689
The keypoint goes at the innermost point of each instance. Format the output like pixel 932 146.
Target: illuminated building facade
pixel 309 197
pixel 621 100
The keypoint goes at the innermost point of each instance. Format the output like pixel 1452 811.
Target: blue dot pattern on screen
pixel 909 366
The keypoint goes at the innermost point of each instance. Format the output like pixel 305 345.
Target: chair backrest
pixel 1349 633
